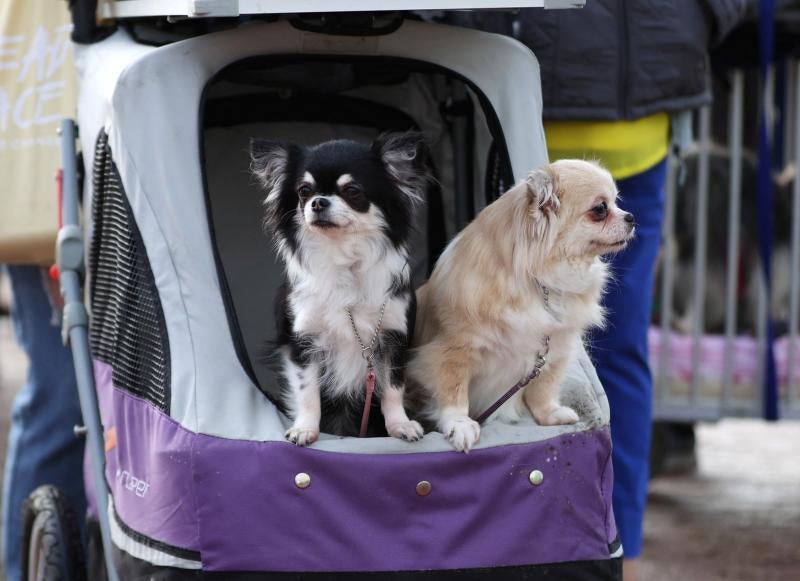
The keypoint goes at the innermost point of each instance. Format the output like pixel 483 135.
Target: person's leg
pixel 620 352
pixel 42 448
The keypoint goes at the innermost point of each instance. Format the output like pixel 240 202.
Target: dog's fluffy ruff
pixel 320 295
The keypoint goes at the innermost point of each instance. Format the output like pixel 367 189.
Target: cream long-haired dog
pixel 526 272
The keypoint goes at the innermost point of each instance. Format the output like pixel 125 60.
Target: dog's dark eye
pixel 304 190
pixel 351 190
pixel 600 211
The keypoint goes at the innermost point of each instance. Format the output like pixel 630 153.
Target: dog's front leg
pixel 452 380
pixel 541 395
pixel 398 425
pixel 303 380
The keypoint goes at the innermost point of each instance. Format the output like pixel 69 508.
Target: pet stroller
pixel 190 476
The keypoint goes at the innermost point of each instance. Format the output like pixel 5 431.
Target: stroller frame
pixel 75 327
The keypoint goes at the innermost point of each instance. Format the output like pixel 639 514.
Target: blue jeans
pixel 620 352
pixel 42 448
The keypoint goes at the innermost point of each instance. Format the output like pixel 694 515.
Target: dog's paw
pixel 556 416
pixel 302 436
pixel 463 433
pixel 410 431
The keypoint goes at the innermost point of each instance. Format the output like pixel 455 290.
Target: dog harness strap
pixel 370 389
pixel 541 359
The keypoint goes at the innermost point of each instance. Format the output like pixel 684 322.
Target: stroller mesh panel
pixel 127 325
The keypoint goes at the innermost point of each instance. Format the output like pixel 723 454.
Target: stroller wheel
pixel 51 543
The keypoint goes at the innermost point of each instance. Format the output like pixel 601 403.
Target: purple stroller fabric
pixel 236 503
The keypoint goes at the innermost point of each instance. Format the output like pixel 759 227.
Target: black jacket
pixel 621 59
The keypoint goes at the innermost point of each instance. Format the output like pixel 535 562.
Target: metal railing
pixel 711 384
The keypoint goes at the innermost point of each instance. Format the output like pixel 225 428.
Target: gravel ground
pixel 737 518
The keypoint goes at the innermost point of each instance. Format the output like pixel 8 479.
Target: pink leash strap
pixel 370 389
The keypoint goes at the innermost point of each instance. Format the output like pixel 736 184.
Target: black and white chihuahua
pixel 341 215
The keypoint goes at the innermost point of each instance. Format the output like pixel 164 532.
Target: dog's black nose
pixel 629 217
pixel 319 204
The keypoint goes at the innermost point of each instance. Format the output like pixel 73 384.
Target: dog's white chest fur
pixel 510 347
pixel 320 298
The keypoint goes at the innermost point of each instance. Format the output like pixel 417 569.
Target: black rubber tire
pixel 51 542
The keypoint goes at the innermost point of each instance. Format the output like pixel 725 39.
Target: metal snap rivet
pixel 302 480
pixel 536 477
pixel 424 488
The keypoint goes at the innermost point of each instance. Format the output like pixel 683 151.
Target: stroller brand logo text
pixel 136 485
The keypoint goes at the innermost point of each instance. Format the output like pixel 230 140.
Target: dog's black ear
pixel 543 189
pixel 406 157
pixel 269 163
pixel 272 164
